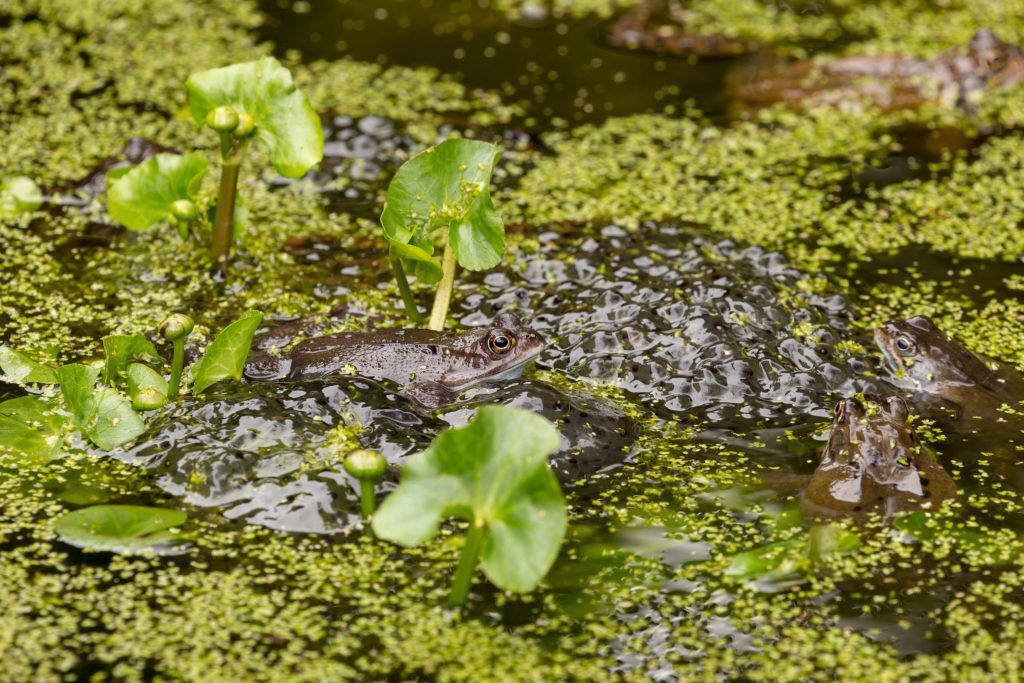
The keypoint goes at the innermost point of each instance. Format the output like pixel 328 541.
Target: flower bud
pixel 223 119
pixel 184 210
pixel 366 465
pixel 177 326
pixel 246 125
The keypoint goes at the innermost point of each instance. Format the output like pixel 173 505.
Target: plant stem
pixel 403 286
pixel 467 564
pixel 177 365
pixel 369 500
pixel 223 224
pixel 443 298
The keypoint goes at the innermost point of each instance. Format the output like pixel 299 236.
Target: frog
pixel 659 26
pixel 957 78
pixel 432 367
pixel 874 464
pixel 940 373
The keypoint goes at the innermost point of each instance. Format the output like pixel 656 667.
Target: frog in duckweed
pixel 874 463
pixel 939 372
pixel 431 366
pixel 956 78
pixel 659 26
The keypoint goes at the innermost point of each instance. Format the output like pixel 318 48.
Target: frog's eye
pixel 500 343
pixel 995 60
pixel 905 345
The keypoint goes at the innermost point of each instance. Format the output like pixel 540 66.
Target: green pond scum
pixel 909 213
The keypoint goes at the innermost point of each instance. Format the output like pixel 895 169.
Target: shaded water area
pixel 692 375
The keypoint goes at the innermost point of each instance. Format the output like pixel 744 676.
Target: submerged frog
pixel 956 78
pixel 432 366
pixel 938 370
pixel 874 463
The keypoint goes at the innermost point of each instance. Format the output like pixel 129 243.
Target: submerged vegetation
pixel 686 556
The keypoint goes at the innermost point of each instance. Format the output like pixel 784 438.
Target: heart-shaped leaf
pixel 19 194
pixel 225 357
pixel 492 472
pixel 31 426
pixel 263 89
pixel 120 350
pixel 121 528
pixel 147 388
pixel 102 414
pixel 143 196
pixel 18 368
pixel 446 190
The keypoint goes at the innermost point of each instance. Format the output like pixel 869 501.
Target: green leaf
pixel 827 540
pixel 18 368
pixel 19 194
pixel 418 261
pixel 31 426
pixel 263 89
pixel 225 357
pixel 142 196
pixel 120 350
pixel 492 471
pixel 102 414
pixel 121 528
pixel 769 562
pixel 447 188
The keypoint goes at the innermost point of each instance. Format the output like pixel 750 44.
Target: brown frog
pixel 940 373
pixel 956 78
pixel 874 463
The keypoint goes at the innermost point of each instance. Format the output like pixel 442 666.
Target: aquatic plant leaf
pixel 142 196
pixel 827 540
pixel 120 350
pixel 19 194
pixel 225 357
pixel 102 414
pixel 18 368
pixel 768 562
pixel 447 187
pixel 120 528
pixel 32 426
pixel 263 89
pixel 418 261
pixel 492 471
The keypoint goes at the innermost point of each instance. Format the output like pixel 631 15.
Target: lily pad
pixel 225 357
pixel 19 194
pixel 32 426
pixel 492 472
pixel 445 190
pixel 263 89
pixel 102 414
pixel 121 528
pixel 19 368
pixel 143 196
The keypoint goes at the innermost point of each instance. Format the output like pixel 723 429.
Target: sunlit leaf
pixel 263 89
pixel 492 471
pixel 19 368
pixel 147 388
pixel 446 190
pixel 102 414
pixel 143 195
pixel 120 350
pixel 225 357
pixel 32 426
pixel 121 528
pixel 19 194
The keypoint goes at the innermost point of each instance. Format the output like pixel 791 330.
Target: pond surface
pixel 693 363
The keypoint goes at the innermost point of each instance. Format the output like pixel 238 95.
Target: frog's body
pixel 429 360
pixel 873 463
pixel 938 370
pixel 956 78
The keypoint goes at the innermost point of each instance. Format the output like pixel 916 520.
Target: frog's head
pixel 927 360
pixel 497 352
pixel 873 437
pixel 1002 62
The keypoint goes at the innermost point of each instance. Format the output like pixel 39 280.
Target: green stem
pixel 443 298
pixel 223 224
pixel 177 365
pixel 403 286
pixel 467 564
pixel 369 500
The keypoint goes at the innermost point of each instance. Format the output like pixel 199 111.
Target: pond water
pixel 693 366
